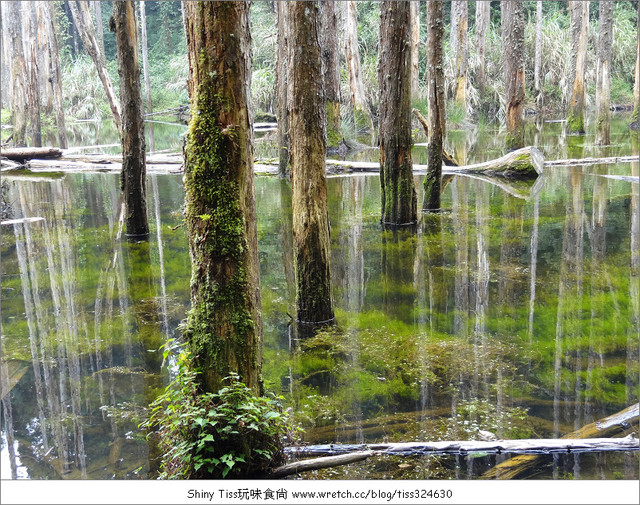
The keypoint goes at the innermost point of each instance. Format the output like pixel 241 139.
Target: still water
pixel 515 310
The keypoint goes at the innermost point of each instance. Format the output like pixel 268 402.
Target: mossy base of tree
pixel 575 123
pixel 334 131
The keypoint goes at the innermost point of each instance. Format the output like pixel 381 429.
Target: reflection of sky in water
pixel 519 296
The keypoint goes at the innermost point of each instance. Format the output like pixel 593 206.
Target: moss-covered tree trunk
pixel 18 73
pixel 224 326
pixel 312 246
pixel 437 118
pixel 635 118
pixel 461 11
pixel 331 72
pixel 361 111
pixel 282 72
pixel 134 173
pixel 483 11
pixel 513 47
pixel 399 200
pixel 579 11
pixel 603 73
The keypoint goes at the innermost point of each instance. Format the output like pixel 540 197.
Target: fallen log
pixel 527 162
pixel 27 153
pixel 447 159
pixel 308 465
pixel 591 161
pixel 462 447
pixel 606 427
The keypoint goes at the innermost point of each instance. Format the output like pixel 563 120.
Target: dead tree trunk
pixel 55 74
pixel 34 127
pixel 18 72
pixel 97 7
pixel 145 56
pixel 44 58
pixel 483 12
pixel 82 21
pixel 282 73
pixel 415 48
pixel 603 75
pixel 331 72
pixel 538 56
pixel 361 110
pixel 133 178
pixel 399 200
pixel 579 37
pixel 224 326
pixel 437 117
pixel 462 52
pixel 513 46
pixel 312 241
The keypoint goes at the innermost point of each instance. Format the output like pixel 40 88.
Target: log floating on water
pixel 27 153
pixel 318 463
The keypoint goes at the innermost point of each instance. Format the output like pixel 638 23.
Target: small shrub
pixel 231 433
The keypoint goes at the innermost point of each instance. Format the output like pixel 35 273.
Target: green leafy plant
pixel 231 433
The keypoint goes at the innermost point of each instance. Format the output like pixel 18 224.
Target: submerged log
pixel 461 447
pixel 447 159
pixel 318 463
pixel 606 427
pixel 27 153
pixel 591 161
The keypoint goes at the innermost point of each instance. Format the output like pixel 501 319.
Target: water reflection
pixel 515 310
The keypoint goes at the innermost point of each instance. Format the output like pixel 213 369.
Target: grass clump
pixel 228 434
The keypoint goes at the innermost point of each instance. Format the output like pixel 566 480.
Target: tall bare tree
pixel 145 55
pixel 134 174
pixel 331 71
pixel 97 8
pixel 460 10
pixel 30 29
pixel 55 74
pixel 513 47
pixel 399 200
pixel 579 39
pixel 603 73
pixel 437 118
pixel 224 326
pixel 361 108
pixel 415 47
pixel 312 240
pixel 483 12
pixel 18 72
pixel 282 73
pixel 537 78
pixel 84 24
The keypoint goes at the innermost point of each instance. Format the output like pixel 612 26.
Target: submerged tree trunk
pixel 580 38
pixel 603 75
pixel 462 52
pixel 399 200
pixel 537 79
pixel 133 178
pixel 224 326
pixel 437 118
pixel 361 110
pixel 18 73
pixel 513 44
pixel 312 241
pixel 82 21
pixel 415 47
pixel 483 13
pixel 282 73
pixel 145 56
pixel 331 72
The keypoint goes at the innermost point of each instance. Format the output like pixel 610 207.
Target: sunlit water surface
pixel 515 310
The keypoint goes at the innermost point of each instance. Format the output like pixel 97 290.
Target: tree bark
pixel 513 44
pixel 399 200
pixel 331 72
pixel 97 7
pixel 462 52
pixel 437 117
pixel 282 73
pixel 55 74
pixel 483 12
pixel 82 21
pixel 34 127
pixel 603 73
pixel 312 241
pixel 415 48
pixel 224 326
pixel 18 72
pixel 361 110
pixel 133 178
pixel 635 117
pixel 145 56
pixel 579 37
pixel 538 56
pixel 44 58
